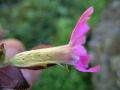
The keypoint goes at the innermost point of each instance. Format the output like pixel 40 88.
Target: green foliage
pixel 40 21
pixel 52 21
pixel 58 78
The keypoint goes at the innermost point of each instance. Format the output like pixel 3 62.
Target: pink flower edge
pixel 78 38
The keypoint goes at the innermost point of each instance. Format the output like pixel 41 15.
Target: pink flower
pixel 73 53
pixel 80 56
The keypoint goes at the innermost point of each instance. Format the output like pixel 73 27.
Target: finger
pixel 12 47
pixel 10 74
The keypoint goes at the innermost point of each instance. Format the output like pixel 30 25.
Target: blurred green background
pixel 49 21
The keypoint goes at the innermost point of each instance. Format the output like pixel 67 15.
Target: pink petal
pixel 85 60
pixel 95 69
pixel 82 65
pixel 83 69
pixel 79 50
pixel 87 13
pixel 81 28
